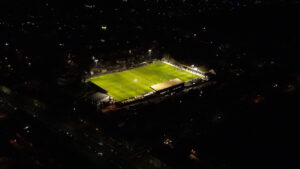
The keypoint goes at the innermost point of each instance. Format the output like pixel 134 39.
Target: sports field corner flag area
pixel 134 82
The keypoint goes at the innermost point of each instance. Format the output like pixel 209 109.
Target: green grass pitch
pixel 134 82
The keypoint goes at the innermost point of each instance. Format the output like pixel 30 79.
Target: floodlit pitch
pixel 134 82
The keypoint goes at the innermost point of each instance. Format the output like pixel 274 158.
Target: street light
pixel 96 61
pixel 104 27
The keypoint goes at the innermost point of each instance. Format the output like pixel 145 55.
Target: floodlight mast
pixel 135 80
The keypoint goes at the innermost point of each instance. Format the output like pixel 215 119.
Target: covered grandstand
pixel 166 85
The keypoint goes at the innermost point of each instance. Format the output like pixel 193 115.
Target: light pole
pixel 135 81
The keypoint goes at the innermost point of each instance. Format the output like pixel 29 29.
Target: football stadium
pixel 142 80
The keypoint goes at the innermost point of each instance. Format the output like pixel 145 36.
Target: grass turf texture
pixel 134 82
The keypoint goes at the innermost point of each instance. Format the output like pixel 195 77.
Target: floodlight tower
pixel 150 53
pixel 135 81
